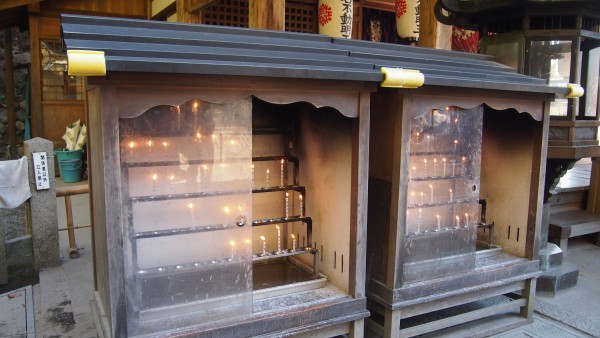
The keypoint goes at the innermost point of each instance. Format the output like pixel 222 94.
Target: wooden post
pixel 184 14
pixel 267 14
pixel 35 76
pixel 10 94
pixel 433 34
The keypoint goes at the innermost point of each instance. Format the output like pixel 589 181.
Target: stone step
pixel 557 279
pixel 550 257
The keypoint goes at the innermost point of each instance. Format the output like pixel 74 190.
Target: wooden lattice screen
pixel 233 13
pixel 301 16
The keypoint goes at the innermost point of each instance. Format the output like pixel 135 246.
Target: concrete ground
pixel 61 299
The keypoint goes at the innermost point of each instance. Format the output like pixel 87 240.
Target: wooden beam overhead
pixel 8 4
pixel 196 5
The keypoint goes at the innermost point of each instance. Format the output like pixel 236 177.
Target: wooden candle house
pixel 230 171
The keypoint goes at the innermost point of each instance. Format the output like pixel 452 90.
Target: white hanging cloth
pixel 14 183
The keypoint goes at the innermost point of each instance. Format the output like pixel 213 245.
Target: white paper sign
pixel 40 171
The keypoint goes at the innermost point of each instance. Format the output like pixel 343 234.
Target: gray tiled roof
pixel 162 47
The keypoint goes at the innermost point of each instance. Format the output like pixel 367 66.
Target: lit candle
pixel 281 172
pixel 450 190
pixel 419 220
pixel 264 248
pixel 131 145
pixel 267 185
pixel 466 220
pixel 421 193
pixel 453 167
pixel 414 168
pixel 195 111
pixel 444 161
pixel 287 209
pixel 434 167
pixel 178 117
pixel 428 142
pixel 439 227
pixel 431 193
pixel 165 145
pixel 198 136
pixel 150 148
pixel 464 165
pixel 301 206
pixel 293 242
pixel 455 145
pixel 278 239
pixel 457 221
pixel 191 207
pixel 171 178
pixel 232 249
pixel 425 163
pixel 154 178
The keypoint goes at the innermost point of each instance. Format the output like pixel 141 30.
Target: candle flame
pixel 466 215
pixel 457 218
pixel 435 160
pixel 226 209
pixel 262 238
pixel 247 241
pixel 213 136
pixel 277 226
pixel 431 185
pixel 131 144
pixel 464 159
pixel 191 205
pixel 444 159
pixel 198 135
pixel 204 167
pixel 286 194
pixel 455 141
pixel 154 177
pixel 232 243
pixel 293 237
pixel 437 216
pixel 172 177
pixel 252 166
pixel 281 161
pixel 267 171
pixel 232 142
pixel 165 144
pixel 425 160
pixel 149 143
pixel 300 196
pixel 195 104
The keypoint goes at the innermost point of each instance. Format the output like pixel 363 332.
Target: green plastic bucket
pixel 70 164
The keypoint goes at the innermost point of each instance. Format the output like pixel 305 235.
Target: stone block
pixel 557 279
pixel 44 221
pixel 550 257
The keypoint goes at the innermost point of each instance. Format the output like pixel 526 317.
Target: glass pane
pixel 186 181
pixel 57 84
pixel 443 193
pixel 591 87
pixel 551 61
pixel 508 52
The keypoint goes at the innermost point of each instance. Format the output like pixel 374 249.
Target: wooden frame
pixel 123 94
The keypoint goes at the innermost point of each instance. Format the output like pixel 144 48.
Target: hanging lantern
pixel 335 18
pixel 407 18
